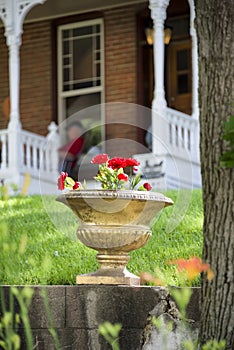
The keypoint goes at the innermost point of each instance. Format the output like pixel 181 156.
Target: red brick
pixel 120 33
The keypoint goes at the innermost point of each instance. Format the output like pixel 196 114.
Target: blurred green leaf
pixel 227 158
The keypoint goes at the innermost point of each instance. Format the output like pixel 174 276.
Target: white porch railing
pixel 38 154
pixel 174 162
pixel 182 134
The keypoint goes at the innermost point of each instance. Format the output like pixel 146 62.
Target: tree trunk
pixel 215 30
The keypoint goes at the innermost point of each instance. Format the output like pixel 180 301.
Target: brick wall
pixel 35 87
pixel 35 84
pixel 120 54
pixel 4 77
pixel 121 75
pixel 36 71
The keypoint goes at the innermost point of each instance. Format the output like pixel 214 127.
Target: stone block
pixel 69 339
pixel 56 300
pixel 193 309
pixel 77 311
pixel 81 339
pixel 37 313
pixel 89 306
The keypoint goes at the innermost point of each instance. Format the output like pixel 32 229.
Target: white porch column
pixel 14 126
pixel 12 13
pixel 195 103
pixel 158 14
pixel 14 43
pixel 195 80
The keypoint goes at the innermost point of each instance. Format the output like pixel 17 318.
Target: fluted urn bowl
pixel 113 223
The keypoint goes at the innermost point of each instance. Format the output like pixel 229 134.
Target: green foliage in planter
pixel 34 251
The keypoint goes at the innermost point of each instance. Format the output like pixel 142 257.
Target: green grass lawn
pixel 38 244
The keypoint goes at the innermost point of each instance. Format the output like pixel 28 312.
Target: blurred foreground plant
pixel 227 159
pixel 187 271
pixel 9 322
pixel 13 189
pixel 11 253
pixel 111 333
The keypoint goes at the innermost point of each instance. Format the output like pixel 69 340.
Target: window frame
pixel 62 95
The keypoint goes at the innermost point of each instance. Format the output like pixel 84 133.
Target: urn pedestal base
pixel 112 271
pixel 113 223
pixel 113 244
pixel 120 281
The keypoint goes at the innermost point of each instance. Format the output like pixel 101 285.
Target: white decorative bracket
pixel 13 12
pixel 158 9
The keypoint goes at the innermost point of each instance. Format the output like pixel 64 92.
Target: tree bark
pixel 215 30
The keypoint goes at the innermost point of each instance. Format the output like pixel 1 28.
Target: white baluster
pixel 179 135
pixel 28 153
pixel 189 139
pixel 42 159
pixel 173 132
pixel 192 140
pixel 170 133
pixel 23 152
pixel 53 144
pixel 186 137
pixel 176 136
pixel 34 155
pixel 39 155
pixel 171 127
pixel 182 136
pixel 47 153
pixel 4 152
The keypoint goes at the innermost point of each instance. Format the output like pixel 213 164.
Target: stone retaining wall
pixel 77 311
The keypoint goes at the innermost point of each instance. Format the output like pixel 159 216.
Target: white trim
pixel 59 75
pixel 95 9
pixel 80 24
pixel 195 69
pixel 81 91
pixel 103 94
pixel 59 50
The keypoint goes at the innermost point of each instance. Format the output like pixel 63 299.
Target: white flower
pixel 56 253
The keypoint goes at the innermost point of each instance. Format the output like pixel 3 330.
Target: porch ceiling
pixel 58 8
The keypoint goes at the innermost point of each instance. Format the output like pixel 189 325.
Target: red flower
pixel 147 186
pixel 61 180
pixel 116 163
pixel 123 177
pixel 193 267
pixel 76 185
pixel 64 175
pixel 131 162
pixel 135 170
pixel 100 159
pixel 147 277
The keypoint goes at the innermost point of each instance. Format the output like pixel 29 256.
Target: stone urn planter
pixel 113 223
